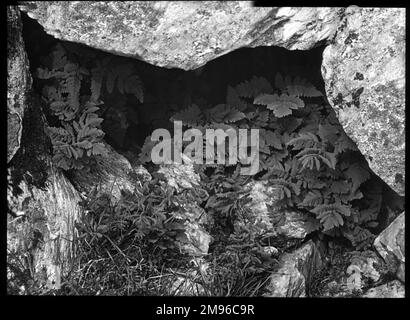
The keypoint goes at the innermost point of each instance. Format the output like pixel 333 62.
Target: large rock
pixel 18 80
pixel 295 272
pixel 185 35
pixel 364 74
pixel 390 245
pixel 42 234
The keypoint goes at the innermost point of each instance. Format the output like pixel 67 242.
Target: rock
pixel 182 177
pixel 393 289
pixel 295 272
pixel 18 81
pixel 269 217
pixel 198 239
pixel 42 211
pixel 390 245
pixel 364 74
pixel 293 225
pixel 111 174
pixel 352 272
pixel 193 33
pixel 41 236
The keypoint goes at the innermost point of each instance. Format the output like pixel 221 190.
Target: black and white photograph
pixel 205 149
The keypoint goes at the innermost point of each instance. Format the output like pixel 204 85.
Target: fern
pixel 126 79
pixel 304 140
pixel 77 139
pixel 303 151
pixel 253 87
pixel 281 105
pixel 312 199
pixel 285 188
pixel 298 87
pixel 191 116
pixel 331 215
pixel 311 158
pixel 79 136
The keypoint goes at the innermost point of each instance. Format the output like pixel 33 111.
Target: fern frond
pixel 253 87
pixel 304 140
pixel 191 116
pixel 298 87
pixel 280 105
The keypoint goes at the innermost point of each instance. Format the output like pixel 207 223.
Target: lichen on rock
pixel 364 74
pixel 193 33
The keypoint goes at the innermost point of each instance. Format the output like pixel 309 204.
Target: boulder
pixel 184 35
pixel 111 173
pixel 295 272
pixel 182 178
pixel 286 223
pixel 18 80
pixel 393 289
pixel 364 74
pixel 43 205
pixel 40 234
pixel 390 245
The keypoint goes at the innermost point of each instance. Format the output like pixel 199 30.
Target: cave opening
pixel 130 115
pixel 167 91
pixel 134 98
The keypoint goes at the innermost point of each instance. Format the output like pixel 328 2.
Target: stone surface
pixel 182 177
pixel 364 74
pixel 111 174
pixel 390 245
pixel 18 80
pixel 193 33
pixel 286 223
pixel 42 211
pixel 41 235
pixel 393 289
pixel 294 272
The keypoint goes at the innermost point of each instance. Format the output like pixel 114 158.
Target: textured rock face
pixel 393 289
pixel 295 271
pixel 111 174
pixel 18 80
pixel 44 228
pixel 289 224
pixel 390 245
pixel 185 35
pixel 364 73
pixel 182 177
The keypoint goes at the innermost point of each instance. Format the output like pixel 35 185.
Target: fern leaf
pixel 134 86
pixel 270 138
pixel 234 116
pixel 298 87
pixel 304 140
pixel 253 87
pixel 233 99
pixel 191 116
pixel 99 149
pixel 97 74
pixel 312 199
pixel 280 105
